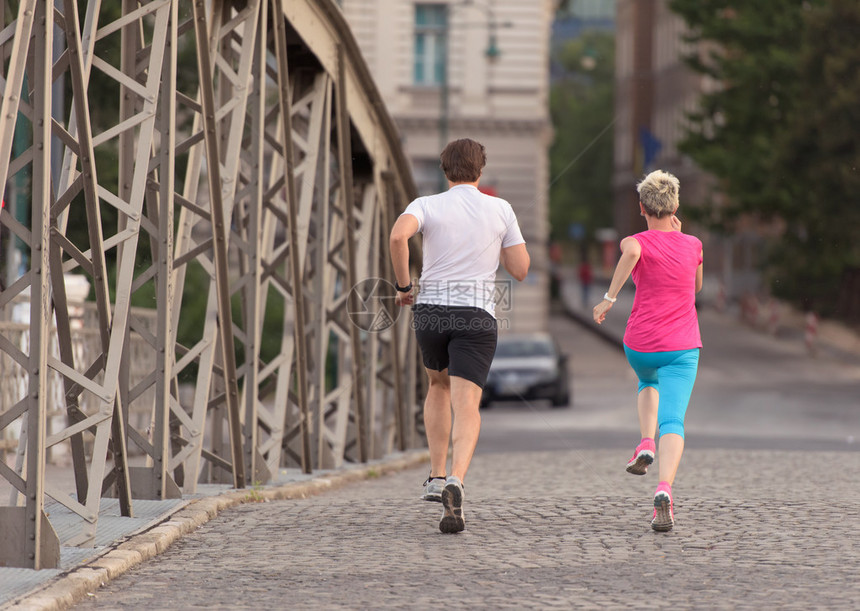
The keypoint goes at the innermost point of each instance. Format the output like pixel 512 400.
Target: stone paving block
pixel 547 541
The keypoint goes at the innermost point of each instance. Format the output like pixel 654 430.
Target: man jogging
pixel 466 235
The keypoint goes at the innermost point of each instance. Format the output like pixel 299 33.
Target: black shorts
pixel 459 339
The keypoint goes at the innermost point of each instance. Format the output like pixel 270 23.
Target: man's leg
pixel 437 420
pixel 465 397
pixel 470 354
pixel 465 400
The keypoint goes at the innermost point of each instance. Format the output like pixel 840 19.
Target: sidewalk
pixel 571 297
pixel 776 319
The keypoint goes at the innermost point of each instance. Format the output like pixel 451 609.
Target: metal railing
pixel 248 164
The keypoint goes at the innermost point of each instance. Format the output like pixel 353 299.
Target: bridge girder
pixel 247 165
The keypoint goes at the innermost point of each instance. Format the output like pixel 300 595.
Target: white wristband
pixel 610 299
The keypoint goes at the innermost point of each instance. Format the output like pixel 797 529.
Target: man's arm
pixel 516 260
pixel 404 228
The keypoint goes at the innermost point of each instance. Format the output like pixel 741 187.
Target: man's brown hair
pixel 463 160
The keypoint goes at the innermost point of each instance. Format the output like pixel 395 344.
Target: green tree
pixel 750 49
pixel 777 131
pixel 581 107
pixel 817 162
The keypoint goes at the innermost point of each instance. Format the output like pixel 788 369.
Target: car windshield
pixel 520 348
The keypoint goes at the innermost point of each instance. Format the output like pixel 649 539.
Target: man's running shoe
pixel 452 502
pixel 643 456
pixel 664 515
pixel 433 489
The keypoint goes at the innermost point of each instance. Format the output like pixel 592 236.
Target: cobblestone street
pixel 544 530
pixel 766 507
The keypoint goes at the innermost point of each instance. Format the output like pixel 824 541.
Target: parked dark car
pixel 528 366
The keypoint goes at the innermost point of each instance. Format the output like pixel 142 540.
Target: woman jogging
pixel 662 339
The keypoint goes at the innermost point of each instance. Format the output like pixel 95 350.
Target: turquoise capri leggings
pixel 672 374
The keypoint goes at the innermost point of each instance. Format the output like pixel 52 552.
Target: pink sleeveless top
pixel 664 309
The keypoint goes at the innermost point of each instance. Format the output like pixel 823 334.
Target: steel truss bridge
pixel 235 153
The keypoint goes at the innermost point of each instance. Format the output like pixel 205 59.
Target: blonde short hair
pixel 658 193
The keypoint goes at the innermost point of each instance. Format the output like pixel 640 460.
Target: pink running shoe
pixel 643 456
pixel 664 515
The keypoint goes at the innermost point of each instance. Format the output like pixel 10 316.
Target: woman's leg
pixel 677 378
pixel 644 365
pixel 669 456
pixel 646 404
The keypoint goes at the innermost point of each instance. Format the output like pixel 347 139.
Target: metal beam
pixel 222 280
pixel 256 150
pixel 284 101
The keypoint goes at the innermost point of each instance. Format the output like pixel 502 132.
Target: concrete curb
pixel 588 324
pixel 73 586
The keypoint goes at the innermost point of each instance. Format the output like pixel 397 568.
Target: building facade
pixel 479 69
pixel 654 92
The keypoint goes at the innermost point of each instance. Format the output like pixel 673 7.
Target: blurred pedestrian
pixel 555 258
pixel 466 235
pixel 662 340
pixel 586 276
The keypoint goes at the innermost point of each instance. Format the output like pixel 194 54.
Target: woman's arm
pixel 699 274
pixel 631 250
pixel 676 225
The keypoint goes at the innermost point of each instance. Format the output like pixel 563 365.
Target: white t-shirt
pixel 464 231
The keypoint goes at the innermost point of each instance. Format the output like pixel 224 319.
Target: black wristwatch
pixel 402 289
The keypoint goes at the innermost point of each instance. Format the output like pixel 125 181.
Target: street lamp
pixel 492 53
pixel 493 50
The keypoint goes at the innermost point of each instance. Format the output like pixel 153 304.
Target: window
pixel 431 24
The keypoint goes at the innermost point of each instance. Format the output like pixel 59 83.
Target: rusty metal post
pixel 222 280
pixel 280 166
pixel 301 366
pixel 344 148
pixel 41 545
